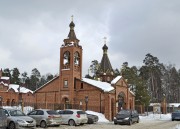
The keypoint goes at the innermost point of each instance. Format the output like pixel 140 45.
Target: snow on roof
pixel 102 85
pixel 5 84
pixel 114 81
pixel 15 87
pixel 5 78
pixel 64 69
pixel 131 92
pixel 155 104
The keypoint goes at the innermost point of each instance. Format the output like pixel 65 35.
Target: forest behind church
pixel 151 82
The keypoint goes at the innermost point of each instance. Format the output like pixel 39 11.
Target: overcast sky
pixel 32 31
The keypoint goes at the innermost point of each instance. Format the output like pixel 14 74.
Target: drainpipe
pixel 100 102
pixel 127 102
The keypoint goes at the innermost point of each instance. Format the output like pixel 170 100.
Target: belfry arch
pixel 76 58
pixel 66 59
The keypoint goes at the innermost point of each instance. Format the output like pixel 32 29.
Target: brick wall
pixel 98 100
pixel 11 98
pixel 49 93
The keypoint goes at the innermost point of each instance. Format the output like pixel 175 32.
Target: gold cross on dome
pixel 105 40
pixel 72 18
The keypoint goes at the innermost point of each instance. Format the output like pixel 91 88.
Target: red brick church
pixel 13 94
pixel 71 90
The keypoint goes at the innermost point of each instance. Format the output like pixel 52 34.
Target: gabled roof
pixel 15 87
pixel 106 87
pixel 47 83
pixel 5 84
pixel 115 80
pixel 4 80
pixel 131 92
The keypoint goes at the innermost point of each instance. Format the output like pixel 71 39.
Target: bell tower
pixel 70 65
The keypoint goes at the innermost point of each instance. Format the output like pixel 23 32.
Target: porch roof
pixel 115 80
pixel 106 87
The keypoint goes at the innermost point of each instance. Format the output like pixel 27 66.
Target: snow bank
pixel 25 109
pixel 156 117
pixel 100 115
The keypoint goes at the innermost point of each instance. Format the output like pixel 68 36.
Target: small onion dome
pixel 71 24
pixel 104 47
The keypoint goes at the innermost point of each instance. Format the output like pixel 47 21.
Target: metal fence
pixel 140 108
pixel 57 106
pixel 145 109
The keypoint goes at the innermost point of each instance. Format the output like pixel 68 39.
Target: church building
pixel 107 95
pixel 14 94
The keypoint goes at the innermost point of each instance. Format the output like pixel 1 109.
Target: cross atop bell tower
pixel 71 39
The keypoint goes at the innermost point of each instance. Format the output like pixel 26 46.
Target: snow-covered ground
pixel 150 117
pixel 154 117
pixel 143 118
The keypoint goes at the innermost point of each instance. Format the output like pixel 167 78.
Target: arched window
pixel 66 56
pixel 76 58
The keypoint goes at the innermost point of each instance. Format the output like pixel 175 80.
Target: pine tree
pixel 6 72
pixel 34 79
pixel 24 78
pixel 49 77
pixel 151 72
pixel 174 80
pixel 15 76
pixel 94 68
pixel 136 84
pixel 42 81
